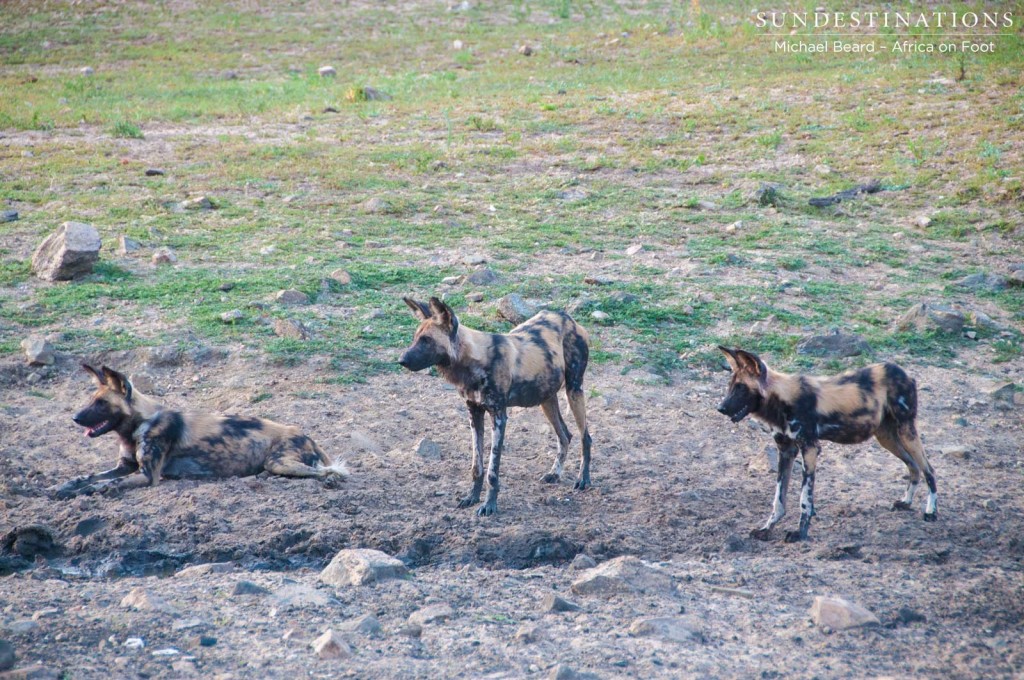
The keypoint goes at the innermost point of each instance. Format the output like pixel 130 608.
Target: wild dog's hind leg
pixel 810 458
pixel 554 416
pixel 578 404
pixel 887 437
pixel 907 436
pixel 301 457
pixel 499 418
pixel 787 454
pixel 476 418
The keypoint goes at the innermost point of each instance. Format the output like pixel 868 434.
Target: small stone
pixel 367 94
pixel 198 203
pixel 456 44
pixel 474 259
pixel 243 588
pixel 300 596
pixel 48 613
pixel 990 505
pixel 833 345
pixel 621 297
pixel 205 641
pixel 22 627
pixel 526 50
pixel 482 277
pixel 268 250
pixel 412 631
pixel 86 70
pixel 1016 277
pixel 475 297
pixel 327 72
pixel 425 448
pixel 985 281
pixel 331 646
pixel 734 543
pixel 189 624
pixel 134 643
pixel 432 613
pixel 515 309
pixel 529 633
pixel 452 280
pixel 7 656
pixel 341 277
pixel 839 614
pixel 734 227
pixel 140 599
pixel 707 205
pixel 164 256
pixel 672 629
pixel 367 624
pixel 375 205
pixel 166 651
pixel 565 672
pixel 1001 394
pixel 159 357
pixel 361 566
pixel 582 562
pixel 232 316
pixel 8 216
pixel 126 246
pixel 598 315
pixel 926 315
pixel 38 351
pixel 554 603
pixel 907 615
pixel 69 252
pixel 823 170
pixel 922 221
pixel 635 249
pixel 154 172
pixel 625 574
pixel 205 569
pixel 291 296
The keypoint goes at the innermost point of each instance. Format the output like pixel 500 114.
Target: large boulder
pixel 356 567
pixel 68 252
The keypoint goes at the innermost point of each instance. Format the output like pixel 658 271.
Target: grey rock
pixel 164 256
pixel 474 259
pixel 341 277
pixel 158 357
pixel 154 172
pixel 598 315
pixel 205 569
pixel 833 345
pixel 38 351
pixel 8 216
pixel 22 627
pixel 452 280
pixel 475 297
pixel 140 599
pixel 126 246
pixel 432 613
pixel 410 631
pixel 926 315
pixel 428 449
pixel 983 281
pixel 565 672
pixel 69 252
pixel 672 629
pixel 198 203
pixel 554 603
pixel 372 94
pixel 291 296
pixel 1016 277
pixel 300 596
pixel 367 624
pixel 765 460
pixel 327 72
pixel 635 249
pixel 290 328
pixel 623 298
pixel 582 562
pixel 232 316
pixel 734 543
pixel 529 633
pixel 515 309
pixel 484 276
pixel 375 205
pixel 189 624
pixel 7 656
pixel 330 645
pixel 361 566
pixel 86 70
pixel 244 588
pixel 839 614
pixel 625 574
pixel 1001 394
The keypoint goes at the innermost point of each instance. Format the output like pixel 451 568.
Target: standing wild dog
pixel 158 442
pixel 492 372
pixel 879 400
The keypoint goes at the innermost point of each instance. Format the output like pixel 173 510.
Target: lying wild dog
pixel 879 400
pixel 158 442
pixel 525 368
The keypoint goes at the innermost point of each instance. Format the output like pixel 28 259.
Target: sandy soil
pixel 676 484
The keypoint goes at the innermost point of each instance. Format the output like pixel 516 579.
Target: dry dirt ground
pixel 676 484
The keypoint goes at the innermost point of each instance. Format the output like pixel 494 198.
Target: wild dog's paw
pixel 761 534
pixel 468 501
pixel 551 478
pixel 65 491
pixel 794 537
pixel 900 505
pixel 582 484
pixel 931 517
pixel 487 509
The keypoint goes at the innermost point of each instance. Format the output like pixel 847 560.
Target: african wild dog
pixel 492 372
pixel 157 442
pixel 879 400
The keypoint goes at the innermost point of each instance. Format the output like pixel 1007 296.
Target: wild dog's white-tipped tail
pixel 337 469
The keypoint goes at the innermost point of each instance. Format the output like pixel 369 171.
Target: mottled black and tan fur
pixel 161 443
pixel 526 367
pixel 849 408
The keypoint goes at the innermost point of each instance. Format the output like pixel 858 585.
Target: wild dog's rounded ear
pixel 117 381
pixel 442 312
pixel 95 373
pixel 730 356
pixel 752 363
pixel 419 309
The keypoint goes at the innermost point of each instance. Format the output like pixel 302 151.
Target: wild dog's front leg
pixel 85 484
pixel 498 420
pixel 810 457
pixel 787 454
pixel 476 416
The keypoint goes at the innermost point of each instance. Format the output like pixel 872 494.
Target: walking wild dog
pixel 157 442
pixel 492 372
pixel 879 400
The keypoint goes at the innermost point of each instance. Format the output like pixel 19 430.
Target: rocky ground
pixel 223 579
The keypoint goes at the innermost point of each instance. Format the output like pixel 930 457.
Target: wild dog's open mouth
pixel 97 430
pixel 740 415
